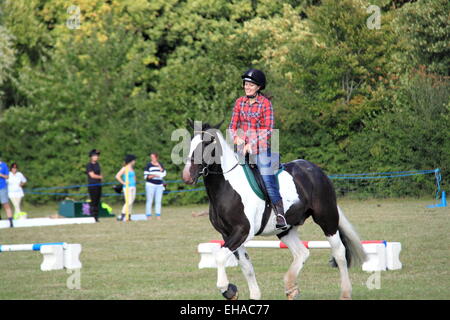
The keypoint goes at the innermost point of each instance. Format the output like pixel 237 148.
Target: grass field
pixel 158 259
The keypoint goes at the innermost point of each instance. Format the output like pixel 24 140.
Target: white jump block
pixel 72 256
pixel 393 255
pixel 138 217
pixel 57 255
pixel 53 257
pixel 134 217
pixel 207 256
pixel 376 257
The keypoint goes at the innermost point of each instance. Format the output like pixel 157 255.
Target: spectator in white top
pixel 16 181
pixel 154 186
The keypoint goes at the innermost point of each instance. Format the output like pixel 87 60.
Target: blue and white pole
pixel 27 247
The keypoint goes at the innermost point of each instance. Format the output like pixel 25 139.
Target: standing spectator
pixel 16 181
pixel 127 177
pixel 154 173
pixel 4 174
pixel 94 177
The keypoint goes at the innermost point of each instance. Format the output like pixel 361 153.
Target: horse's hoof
pixel 236 296
pixel 231 293
pixel 293 294
pixel 345 297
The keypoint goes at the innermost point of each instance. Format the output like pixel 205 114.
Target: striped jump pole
pixel 382 255
pixel 27 247
pixel 280 244
pixel 57 255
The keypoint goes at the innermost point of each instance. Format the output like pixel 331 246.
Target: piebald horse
pixel 237 212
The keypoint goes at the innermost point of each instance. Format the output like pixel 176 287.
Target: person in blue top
pixel 127 177
pixel 4 174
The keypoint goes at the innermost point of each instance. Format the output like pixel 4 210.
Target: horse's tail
pixel 354 251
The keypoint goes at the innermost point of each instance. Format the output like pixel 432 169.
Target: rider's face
pixel 250 88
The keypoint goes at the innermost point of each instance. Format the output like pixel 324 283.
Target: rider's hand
pixel 239 141
pixel 247 148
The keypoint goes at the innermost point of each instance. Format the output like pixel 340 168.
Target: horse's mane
pixel 206 126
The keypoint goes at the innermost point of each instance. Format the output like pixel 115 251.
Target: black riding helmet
pixel 256 76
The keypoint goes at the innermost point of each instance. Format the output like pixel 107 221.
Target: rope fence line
pixel 105 194
pixel 38 191
pixel 390 175
pixel 380 175
pixel 349 176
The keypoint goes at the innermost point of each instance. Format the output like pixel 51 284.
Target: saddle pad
pixel 252 180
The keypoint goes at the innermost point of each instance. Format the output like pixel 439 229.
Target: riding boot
pixel 279 212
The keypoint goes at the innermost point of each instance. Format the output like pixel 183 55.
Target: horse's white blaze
pixel 194 143
pixel 186 170
pixel 253 205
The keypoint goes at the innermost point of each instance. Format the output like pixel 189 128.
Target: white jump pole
pixel 27 247
pixel 57 255
pixel 280 245
pixel 42 222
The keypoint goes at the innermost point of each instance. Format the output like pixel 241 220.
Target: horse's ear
pixel 217 126
pixel 190 123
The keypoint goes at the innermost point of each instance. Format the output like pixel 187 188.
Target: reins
pixel 208 171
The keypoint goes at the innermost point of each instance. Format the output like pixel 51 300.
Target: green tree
pixel 84 96
pixel 424 29
pixel 413 135
pixel 7 59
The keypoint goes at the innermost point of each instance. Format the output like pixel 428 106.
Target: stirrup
pixel 281 226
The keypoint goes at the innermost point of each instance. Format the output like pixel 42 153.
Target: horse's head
pixel 202 152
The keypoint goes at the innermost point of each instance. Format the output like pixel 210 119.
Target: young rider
pixel 251 127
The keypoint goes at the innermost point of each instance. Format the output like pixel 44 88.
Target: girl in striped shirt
pixel 153 174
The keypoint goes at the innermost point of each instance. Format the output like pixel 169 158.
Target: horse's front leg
pixel 228 290
pixel 249 273
pixel 232 243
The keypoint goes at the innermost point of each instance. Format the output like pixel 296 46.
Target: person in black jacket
pixel 93 172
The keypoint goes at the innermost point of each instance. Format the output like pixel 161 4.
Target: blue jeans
pixel 268 163
pixel 4 196
pixel 153 191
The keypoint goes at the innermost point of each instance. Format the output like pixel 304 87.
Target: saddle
pixel 256 181
pixel 258 186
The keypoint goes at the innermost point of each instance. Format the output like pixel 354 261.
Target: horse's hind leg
pixel 300 254
pixel 249 273
pixel 338 252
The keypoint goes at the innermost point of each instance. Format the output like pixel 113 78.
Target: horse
pixel 237 213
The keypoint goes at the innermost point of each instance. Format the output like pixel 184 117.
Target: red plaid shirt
pixel 253 123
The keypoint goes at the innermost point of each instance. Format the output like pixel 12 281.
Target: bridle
pixel 205 170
